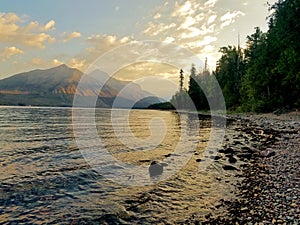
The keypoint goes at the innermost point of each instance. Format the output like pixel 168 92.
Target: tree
pixel 229 72
pixel 283 37
pixel 179 100
pixel 272 79
pixel 181 80
pixel 256 82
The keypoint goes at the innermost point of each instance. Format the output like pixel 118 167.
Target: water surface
pixel 45 179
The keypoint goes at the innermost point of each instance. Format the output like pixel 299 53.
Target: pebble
pixel 268 192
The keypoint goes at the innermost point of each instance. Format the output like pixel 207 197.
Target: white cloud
pixel 117 8
pixel 73 63
pixel 182 10
pixel 189 21
pixel 187 8
pixel 193 32
pixel 211 19
pixel 77 63
pixel 157 16
pixel 42 63
pixel 70 36
pixel 106 42
pixel 124 40
pixel 210 3
pixel 49 26
pixel 57 62
pixel 155 29
pixel 209 48
pixel 32 35
pixel 8 52
pixel 229 18
pixel 202 43
pixel 169 39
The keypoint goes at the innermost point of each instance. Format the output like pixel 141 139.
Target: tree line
pixel 262 77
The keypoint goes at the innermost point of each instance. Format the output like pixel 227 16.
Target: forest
pixel 262 77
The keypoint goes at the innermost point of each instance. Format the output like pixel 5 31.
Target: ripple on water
pixel 44 178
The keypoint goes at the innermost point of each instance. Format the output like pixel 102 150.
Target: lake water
pixel 44 177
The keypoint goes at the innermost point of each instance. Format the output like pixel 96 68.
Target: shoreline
pixel 268 192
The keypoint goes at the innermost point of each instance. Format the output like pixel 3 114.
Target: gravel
pixel 269 189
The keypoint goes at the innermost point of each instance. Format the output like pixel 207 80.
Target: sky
pixel 43 34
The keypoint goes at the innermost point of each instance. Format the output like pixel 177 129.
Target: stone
pixel 232 160
pixel 229 167
pixel 245 156
pixel 229 151
pixel 155 169
pixel 267 153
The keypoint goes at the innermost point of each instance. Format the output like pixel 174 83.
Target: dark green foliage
pixel 181 79
pixel 162 106
pixel 266 76
pixel 195 92
pixel 229 71
pixel 180 100
pixel 256 82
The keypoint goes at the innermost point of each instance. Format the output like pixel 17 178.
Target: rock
pixel 237 143
pixel 245 209
pixel 155 169
pixel 221 151
pixel 216 157
pixel 144 160
pixel 267 153
pixel 229 151
pixel 231 159
pixel 244 156
pixel 229 167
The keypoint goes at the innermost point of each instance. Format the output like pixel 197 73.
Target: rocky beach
pixel 268 191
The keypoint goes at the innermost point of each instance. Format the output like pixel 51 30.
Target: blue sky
pixel 42 34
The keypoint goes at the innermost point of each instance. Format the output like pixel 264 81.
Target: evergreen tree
pixel 229 72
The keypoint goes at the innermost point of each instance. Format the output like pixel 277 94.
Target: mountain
pixel 57 87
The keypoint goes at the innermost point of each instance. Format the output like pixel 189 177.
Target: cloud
pixel 183 10
pixel 117 8
pixel 70 36
pixel 32 35
pixel 145 69
pixel 99 44
pixel 102 43
pixel 57 62
pixel 42 63
pixel 37 62
pixel 169 39
pixel 157 16
pixel 211 19
pixel 8 52
pixel 77 63
pixel 205 41
pixel 194 32
pixel 210 3
pixel 156 29
pixel 189 21
pixel 49 26
pixel 229 18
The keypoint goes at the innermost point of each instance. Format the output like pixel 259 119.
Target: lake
pixel 48 176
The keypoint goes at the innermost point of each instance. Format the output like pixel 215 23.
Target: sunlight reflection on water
pixel 45 179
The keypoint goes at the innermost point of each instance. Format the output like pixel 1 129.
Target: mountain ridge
pixel 57 86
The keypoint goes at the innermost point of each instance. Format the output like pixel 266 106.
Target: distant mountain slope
pixel 57 87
